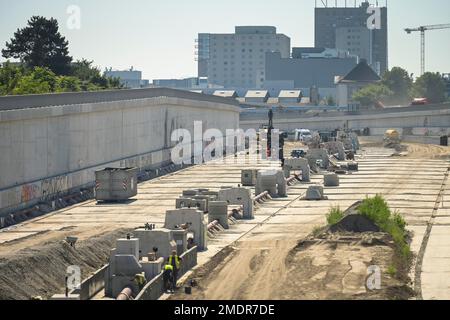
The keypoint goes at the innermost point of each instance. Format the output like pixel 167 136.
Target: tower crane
pixel 422 30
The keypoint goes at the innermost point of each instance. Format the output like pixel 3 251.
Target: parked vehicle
pixel 419 102
pixel 298 153
pixel 303 135
pixel 391 138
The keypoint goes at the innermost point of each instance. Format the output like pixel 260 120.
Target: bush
pixel 377 210
pixel 334 215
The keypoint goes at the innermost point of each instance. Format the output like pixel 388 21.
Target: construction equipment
pixel 391 138
pixel 422 30
pixel 272 150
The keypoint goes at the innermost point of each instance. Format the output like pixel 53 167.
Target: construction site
pixel 248 226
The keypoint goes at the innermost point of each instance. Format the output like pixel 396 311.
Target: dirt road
pixel 268 264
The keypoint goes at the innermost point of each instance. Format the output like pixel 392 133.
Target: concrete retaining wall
pixel 415 118
pixel 50 150
pixel 92 285
pixel 155 288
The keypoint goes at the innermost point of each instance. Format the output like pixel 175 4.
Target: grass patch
pixel 392 271
pixel 334 215
pixel 377 210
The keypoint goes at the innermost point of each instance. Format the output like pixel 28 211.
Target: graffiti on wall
pixel 30 191
pixel 55 185
pixel 45 188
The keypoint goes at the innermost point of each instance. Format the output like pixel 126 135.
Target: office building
pixel 347 28
pixel 238 60
pixel 287 73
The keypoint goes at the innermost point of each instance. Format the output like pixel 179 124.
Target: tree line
pixel 45 64
pixel 398 87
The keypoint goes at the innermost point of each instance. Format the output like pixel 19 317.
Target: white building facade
pixel 238 60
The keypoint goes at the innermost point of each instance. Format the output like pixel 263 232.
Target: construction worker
pixel 140 281
pixel 168 278
pixel 175 262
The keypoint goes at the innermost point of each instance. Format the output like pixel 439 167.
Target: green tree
pixel 68 84
pixel 91 77
pixel 9 77
pixel 40 45
pixel 431 86
pixel 400 83
pixel 83 70
pixel 40 80
pixel 371 94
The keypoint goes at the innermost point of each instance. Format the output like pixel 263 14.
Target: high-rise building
pixel 361 30
pixel 238 60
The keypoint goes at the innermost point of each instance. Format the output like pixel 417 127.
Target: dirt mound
pixel 41 270
pixel 355 223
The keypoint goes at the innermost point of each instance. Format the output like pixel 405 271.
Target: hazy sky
pixel 157 37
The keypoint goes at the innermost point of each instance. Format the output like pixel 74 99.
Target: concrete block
pixel 159 238
pixel 189 193
pixel 331 180
pixel 193 216
pixel 296 164
pixel 272 181
pixel 126 265
pixel 128 246
pixel 200 204
pixel 152 268
pixel 336 148
pixel 315 193
pixel 206 198
pixel 248 177
pixel 180 238
pixel 218 210
pixel 238 196
pixel 318 154
pixel 352 166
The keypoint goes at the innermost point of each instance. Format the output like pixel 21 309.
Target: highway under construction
pixel 257 257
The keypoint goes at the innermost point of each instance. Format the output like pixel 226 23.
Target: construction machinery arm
pixel 431 27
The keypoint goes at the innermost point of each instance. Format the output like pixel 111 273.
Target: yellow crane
pixel 422 30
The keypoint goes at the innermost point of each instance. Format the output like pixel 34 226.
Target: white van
pixel 303 135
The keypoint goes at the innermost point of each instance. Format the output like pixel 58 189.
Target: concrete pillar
pixel 281 184
pixel 272 181
pixel 218 210
pixel 196 220
pixel 238 196
pixel 128 246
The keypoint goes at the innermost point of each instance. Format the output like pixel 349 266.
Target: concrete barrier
pixel 432 116
pixel 92 285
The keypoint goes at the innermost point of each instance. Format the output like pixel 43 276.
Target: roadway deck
pixel 411 186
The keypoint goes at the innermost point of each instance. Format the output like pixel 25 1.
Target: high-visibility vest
pixel 177 261
pixel 140 279
pixel 168 267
